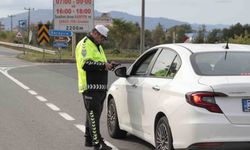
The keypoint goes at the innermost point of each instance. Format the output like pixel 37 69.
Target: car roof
pixel 195 48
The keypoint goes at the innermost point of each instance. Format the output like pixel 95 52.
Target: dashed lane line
pixel 32 92
pixel 82 128
pixel 66 116
pixel 53 107
pixel 42 99
pixel 4 71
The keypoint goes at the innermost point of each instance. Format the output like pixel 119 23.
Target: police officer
pixel 92 67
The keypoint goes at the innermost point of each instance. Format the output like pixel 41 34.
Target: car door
pixel 134 103
pixel 155 87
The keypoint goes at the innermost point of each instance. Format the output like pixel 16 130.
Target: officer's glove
pixel 114 65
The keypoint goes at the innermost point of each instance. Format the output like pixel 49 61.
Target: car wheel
pixel 163 136
pixel 112 121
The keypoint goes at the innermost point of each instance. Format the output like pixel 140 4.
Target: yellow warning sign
pixel 43 34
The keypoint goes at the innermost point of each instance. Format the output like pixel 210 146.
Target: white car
pixel 184 96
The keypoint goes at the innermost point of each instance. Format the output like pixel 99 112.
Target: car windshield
pixel 221 63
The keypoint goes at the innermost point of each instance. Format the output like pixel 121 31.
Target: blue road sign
pixel 60 44
pixel 22 24
pixel 60 33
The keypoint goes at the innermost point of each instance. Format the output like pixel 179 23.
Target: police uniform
pixel 92 83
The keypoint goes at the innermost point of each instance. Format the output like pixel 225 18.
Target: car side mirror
pixel 121 72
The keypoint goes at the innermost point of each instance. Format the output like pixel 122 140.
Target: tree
pixel 179 32
pixel 158 35
pixel 214 36
pixel 133 39
pixel 200 38
pixel 120 33
pixel 237 29
pixel 148 39
pixel 241 39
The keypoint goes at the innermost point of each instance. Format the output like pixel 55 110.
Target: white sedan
pixel 184 96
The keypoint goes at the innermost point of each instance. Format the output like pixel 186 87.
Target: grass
pixel 66 56
pixel 125 55
pixel 34 56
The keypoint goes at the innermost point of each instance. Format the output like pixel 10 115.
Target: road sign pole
pixel 73 44
pixel 60 53
pixel 23 46
pixel 43 52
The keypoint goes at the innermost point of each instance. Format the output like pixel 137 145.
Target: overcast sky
pixel 192 11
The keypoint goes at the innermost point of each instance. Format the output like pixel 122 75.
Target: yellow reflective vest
pixel 90 61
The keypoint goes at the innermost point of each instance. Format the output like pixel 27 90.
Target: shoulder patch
pixel 83 48
pixel 83 52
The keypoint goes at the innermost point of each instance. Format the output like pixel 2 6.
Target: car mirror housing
pixel 121 72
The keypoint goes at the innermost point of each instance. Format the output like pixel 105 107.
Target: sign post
pixel 43 37
pixel 73 44
pixel 30 36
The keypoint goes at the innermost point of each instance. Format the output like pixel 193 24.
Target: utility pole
pixel 174 35
pixel 28 19
pixel 142 45
pixel 11 22
pixel 1 26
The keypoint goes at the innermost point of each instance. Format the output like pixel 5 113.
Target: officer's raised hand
pixel 108 66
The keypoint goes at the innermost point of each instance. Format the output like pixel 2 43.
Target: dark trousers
pixel 93 101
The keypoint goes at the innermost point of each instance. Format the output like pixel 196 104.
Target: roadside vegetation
pixel 124 39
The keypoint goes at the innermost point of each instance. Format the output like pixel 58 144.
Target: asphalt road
pixel 40 108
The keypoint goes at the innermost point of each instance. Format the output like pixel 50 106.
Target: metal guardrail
pixel 28 47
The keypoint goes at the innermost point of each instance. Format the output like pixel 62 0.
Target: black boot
pixel 88 142
pixel 102 146
pixel 88 139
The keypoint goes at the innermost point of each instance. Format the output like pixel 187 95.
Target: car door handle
pixel 156 88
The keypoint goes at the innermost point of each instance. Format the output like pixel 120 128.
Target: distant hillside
pixel 41 15
pixel 150 22
pixel 44 15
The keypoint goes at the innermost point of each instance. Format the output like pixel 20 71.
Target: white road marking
pixel 66 116
pixel 15 80
pixel 52 106
pixel 82 128
pixel 32 92
pixel 42 99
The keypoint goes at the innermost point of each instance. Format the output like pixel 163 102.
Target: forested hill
pixel 44 15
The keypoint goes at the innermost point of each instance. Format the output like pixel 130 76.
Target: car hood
pixel 237 89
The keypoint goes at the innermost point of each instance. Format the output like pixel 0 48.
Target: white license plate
pixel 246 105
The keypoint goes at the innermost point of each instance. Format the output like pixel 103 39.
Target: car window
pixel 142 65
pixel 174 67
pixel 166 65
pixel 221 63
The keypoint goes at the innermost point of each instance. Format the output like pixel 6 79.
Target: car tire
pixel 112 121
pixel 163 136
